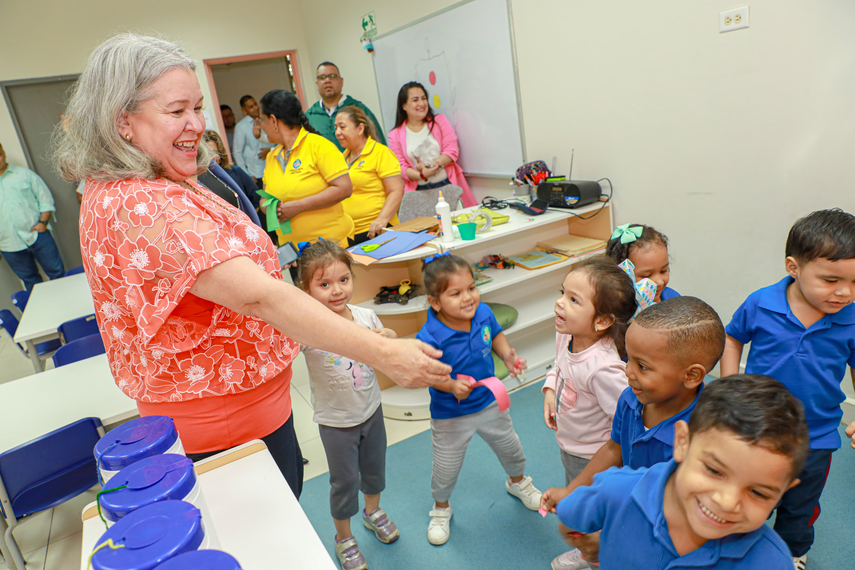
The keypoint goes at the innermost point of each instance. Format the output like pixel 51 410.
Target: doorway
pixel 230 78
pixel 36 106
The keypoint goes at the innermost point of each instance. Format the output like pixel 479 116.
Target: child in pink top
pixel 582 389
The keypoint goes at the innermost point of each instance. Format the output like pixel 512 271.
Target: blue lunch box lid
pixel 201 560
pixel 150 536
pixel 158 478
pixel 135 440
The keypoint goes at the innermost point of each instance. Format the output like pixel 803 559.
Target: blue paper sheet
pixel 403 242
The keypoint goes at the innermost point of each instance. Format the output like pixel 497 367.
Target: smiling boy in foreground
pixel 742 449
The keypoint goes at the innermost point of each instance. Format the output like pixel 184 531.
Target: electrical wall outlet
pixel 731 20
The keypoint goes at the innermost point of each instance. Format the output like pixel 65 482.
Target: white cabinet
pixel 532 293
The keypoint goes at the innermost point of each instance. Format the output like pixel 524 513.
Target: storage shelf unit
pixel 532 293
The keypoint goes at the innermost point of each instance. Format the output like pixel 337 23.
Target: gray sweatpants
pixel 357 460
pixel 573 466
pixel 450 438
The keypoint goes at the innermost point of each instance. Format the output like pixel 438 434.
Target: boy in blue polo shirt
pixel 743 447
pixel 671 347
pixel 467 332
pixel 802 333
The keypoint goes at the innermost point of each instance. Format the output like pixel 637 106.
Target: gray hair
pixel 117 79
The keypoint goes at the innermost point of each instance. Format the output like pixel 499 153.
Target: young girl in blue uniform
pixel 467 331
pixel 647 249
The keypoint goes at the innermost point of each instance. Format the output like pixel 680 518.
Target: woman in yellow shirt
pixel 306 172
pixel 374 172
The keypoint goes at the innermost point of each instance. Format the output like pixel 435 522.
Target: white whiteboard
pixel 464 57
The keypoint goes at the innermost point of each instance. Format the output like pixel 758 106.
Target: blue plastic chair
pixel 46 472
pixel 44 349
pixel 20 299
pixel 74 270
pixel 78 328
pixel 80 349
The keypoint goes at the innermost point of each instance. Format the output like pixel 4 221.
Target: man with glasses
pixel 322 114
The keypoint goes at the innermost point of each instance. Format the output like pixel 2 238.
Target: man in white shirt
pixel 250 148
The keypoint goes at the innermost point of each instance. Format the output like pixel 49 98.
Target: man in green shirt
pixel 24 237
pixel 322 114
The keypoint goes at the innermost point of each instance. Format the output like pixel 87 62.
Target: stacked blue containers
pixel 136 440
pixel 201 560
pixel 150 536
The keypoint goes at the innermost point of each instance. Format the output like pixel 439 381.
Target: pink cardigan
pixel 589 384
pixel 444 134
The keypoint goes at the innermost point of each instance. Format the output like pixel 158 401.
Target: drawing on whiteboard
pixel 435 74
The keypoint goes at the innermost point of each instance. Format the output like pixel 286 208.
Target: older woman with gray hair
pixel 197 321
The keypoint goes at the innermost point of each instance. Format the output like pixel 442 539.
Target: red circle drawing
pixel 432 78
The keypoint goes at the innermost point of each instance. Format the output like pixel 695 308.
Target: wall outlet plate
pixel 731 20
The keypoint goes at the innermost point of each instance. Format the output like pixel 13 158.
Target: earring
pixel 128 137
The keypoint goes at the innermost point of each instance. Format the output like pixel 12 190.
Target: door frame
pixel 295 67
pixel 4 85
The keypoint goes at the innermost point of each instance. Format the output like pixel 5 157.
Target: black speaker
pixel 569 194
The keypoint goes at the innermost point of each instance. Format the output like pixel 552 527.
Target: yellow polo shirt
pixel 314 162
pixel 367 172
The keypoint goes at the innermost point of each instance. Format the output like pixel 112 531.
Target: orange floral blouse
pixel 143 244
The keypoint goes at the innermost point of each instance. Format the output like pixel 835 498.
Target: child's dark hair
pixel 649 236
pixel 829 234
pixel 695 331
pixel 318 256
pixel 614 296
pixel 758 410
pixel 437 272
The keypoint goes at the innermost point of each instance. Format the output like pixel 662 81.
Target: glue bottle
pixel 443 214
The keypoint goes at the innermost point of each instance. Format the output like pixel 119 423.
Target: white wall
pixel 54 37
pixel 719 140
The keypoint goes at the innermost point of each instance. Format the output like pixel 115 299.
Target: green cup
pixel 467 231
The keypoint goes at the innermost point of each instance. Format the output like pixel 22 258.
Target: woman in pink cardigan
pixel 426 145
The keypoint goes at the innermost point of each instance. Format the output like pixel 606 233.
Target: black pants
pixel 799 507
pixel 284 448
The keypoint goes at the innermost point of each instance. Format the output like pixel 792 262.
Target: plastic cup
pixel 467 231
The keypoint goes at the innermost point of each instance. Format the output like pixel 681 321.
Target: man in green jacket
pixel 322 114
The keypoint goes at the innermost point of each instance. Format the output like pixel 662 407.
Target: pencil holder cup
pixel 467 230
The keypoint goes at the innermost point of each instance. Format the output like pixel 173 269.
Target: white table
pixel 38 404
pixel 257 518
pixel 51 304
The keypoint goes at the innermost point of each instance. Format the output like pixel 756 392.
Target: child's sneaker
pixel 571 560
pixel 799 563
pixel 385 530
pixel 525 492
pixel 440 525
pixel 349 556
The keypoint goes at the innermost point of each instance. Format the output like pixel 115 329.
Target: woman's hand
pixel 287 210
pixel 411 364
pixel 420 166
pixel 376 226
pixel 430 171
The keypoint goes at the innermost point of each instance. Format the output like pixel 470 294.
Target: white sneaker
pixel 571 560
pixel 440 525
pixel 800 562
pixel 525 492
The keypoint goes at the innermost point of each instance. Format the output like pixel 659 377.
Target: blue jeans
pixel 799 507
pixel 23 262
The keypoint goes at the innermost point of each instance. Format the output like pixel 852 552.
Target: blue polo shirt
pixel 668 293
pixel 811 363
pixel 626 505
pixel 467 353
pixel 639 446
